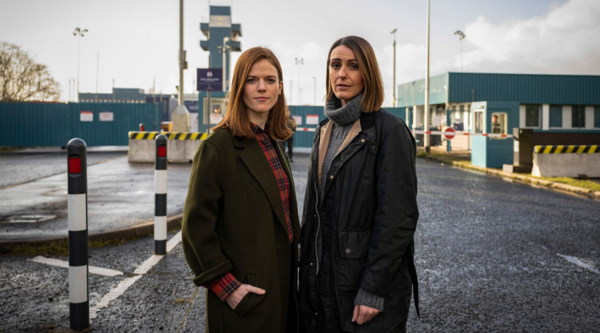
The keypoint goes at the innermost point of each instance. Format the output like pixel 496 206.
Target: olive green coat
pixel 234 221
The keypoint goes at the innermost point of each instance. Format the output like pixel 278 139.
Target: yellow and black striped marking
pixel 582 149
pixel 170 135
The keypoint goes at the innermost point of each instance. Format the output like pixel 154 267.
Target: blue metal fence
pixel 303 139
pixel 46 124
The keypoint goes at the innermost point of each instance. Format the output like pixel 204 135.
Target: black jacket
pixel 367 221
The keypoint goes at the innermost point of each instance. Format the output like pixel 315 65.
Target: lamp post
pixel 224 50
pixel 299 62
pixel 461 36
pixel 78 33
pixel 394 85
pixel 315 85
pixel 426 121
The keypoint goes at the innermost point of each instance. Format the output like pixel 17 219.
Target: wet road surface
pixel 492 256
pixel 19 168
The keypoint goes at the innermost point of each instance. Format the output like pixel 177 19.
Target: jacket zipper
pixel 317 209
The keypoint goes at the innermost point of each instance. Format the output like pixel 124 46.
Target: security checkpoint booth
pixel 548 109
pixel 491 144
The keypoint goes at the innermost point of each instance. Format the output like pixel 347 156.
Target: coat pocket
pixel 353 249
pixel 246 303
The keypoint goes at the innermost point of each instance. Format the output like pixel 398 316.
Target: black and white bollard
pixel 79 307
pixel 160 195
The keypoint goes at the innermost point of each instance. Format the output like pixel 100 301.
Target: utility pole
pixel 394 86
pixel 315 85
pixel 181 116
pixel 299 62
pixel 426 125
pixel 461 36
pixel 78 33
pixel 182 60
pixel 224 50
pixel 97 70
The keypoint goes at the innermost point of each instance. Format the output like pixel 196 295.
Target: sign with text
pixel 298 120
pixel 210 79
pixel 86 116
pixel 106 116
pixel 312 119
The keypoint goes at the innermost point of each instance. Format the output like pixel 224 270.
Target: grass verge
pixel 466 161
pixel 61 248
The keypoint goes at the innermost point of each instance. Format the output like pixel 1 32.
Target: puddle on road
pixel 580 263
pixel 29 218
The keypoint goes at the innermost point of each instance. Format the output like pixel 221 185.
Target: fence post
pixel 79 306
pixel 160 196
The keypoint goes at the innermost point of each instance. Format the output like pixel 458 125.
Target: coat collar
pixel 253 156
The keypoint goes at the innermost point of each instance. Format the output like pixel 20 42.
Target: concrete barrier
pixel 181 147
pixel 566 161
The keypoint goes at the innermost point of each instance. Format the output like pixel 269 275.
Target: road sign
pixel 449 133
pixel 210 79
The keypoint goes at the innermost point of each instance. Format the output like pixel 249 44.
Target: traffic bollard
pixel 79 306
pixel 160 196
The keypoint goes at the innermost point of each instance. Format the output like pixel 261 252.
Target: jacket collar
pixel 253 156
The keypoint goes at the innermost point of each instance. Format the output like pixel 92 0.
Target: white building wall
pixel 545 116
pixel 566 116
pixel 589 117
pixel 521 116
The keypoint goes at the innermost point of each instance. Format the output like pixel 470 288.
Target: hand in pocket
pixel 234 299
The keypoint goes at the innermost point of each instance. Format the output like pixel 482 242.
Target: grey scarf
pixel 344 115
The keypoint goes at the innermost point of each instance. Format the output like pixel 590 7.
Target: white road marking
pixel 112 295
pixel 173 241
pixel 580 263
pixel 117 291
pixel 65 264
pixel 148 264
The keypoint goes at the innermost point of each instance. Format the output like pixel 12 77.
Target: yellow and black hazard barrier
pixel 579 149
pixel 170 135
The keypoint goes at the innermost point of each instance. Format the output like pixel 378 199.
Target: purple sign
pixel 210 79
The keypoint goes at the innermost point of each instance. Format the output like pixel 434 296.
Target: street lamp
pixel 315 85
pixel 78 33
pixel 426 121
pixel 299 62
pixel 394 85
pixel 461 36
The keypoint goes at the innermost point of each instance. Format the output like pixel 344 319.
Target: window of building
pixel 532 115
pixel 597 116
pixel 577 116
pixel 499 123
pixel 555 116
pixel 478 121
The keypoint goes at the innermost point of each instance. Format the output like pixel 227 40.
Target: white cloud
pixel 564 41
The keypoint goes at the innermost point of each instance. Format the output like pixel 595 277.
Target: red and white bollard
pixel 160 196
pixel 79 306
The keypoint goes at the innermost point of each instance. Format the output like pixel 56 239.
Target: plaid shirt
pixel 227 284
pixel 282 178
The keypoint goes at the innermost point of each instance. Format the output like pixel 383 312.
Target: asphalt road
pixel 492 256
pixel 19 168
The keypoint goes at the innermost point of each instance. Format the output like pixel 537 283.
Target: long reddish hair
pixel 236 118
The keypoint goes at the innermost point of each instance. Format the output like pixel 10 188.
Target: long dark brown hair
pixel 236 119
pixel 369 70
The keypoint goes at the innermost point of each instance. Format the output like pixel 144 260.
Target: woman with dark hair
pixel 240 221
pixel 360 213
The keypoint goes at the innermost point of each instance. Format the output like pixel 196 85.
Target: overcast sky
pixel 138 41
